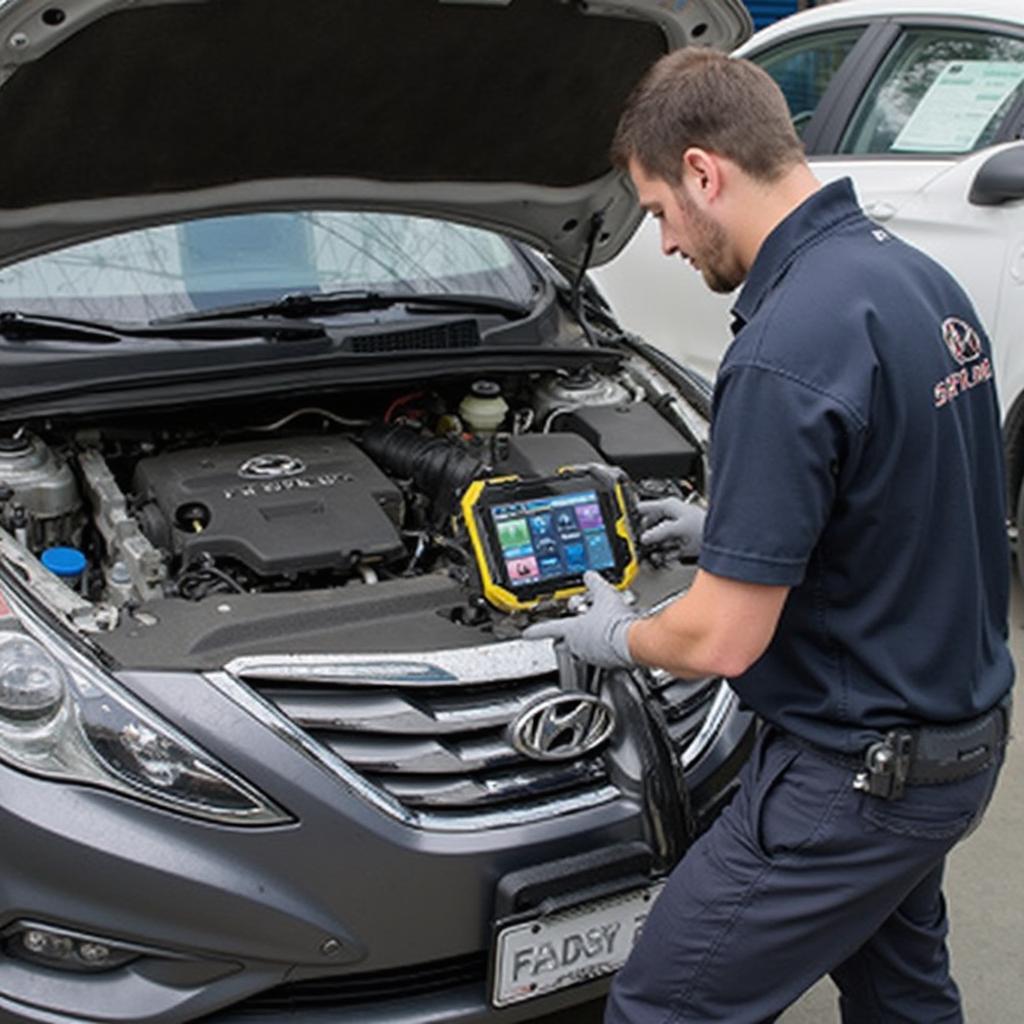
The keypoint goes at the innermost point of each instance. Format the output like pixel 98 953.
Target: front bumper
pixel 345 912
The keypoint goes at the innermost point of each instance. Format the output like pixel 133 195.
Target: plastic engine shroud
pixel 281 506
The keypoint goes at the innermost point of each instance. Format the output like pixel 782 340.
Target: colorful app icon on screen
pixel 522 570
pixel 599 551
pixel 575 557
pixel 589 516
pixel 513 533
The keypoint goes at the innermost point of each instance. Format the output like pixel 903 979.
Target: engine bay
pixel 137 519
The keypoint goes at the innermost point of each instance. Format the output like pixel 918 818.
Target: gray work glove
pixel 669 520
pixel 597 635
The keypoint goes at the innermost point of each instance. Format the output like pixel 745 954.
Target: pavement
pixel 985 892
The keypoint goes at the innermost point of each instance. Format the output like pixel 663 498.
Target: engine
pixel 303 505
pixel 313 500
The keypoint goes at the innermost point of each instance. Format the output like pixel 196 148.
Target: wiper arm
pixel 508 308
pixel 18 326
pixel 305 304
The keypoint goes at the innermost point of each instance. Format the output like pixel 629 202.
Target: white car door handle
pixel 879 210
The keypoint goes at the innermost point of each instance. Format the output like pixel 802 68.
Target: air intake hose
pixel 437 466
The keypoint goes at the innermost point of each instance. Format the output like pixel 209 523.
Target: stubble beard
pixel 720 274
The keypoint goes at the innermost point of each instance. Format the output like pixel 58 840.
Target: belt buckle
pixel 886 766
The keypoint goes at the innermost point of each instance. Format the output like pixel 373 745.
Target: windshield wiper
pixel 305 304
pixel 18 326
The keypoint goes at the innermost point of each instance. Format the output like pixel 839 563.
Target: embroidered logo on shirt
pixel 961 339
pixel 964 346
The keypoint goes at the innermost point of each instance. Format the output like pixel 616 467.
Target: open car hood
pixel 120 113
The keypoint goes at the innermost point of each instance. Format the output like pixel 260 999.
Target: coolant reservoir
pixel 483 410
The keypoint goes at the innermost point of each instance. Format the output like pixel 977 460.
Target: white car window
pixel 803 68
pixel 938 91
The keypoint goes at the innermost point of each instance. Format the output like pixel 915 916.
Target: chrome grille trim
pixel 509 817
pixel 328 762
pixel 511 659
pixel 478 792
pixel 721 707
pixel 398 714
pixel 279 724
pixel 423 736
pixel 420 756
pixel 432 757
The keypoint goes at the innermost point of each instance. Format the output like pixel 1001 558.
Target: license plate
pixel 543 954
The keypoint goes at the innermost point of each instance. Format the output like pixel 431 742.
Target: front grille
pixel 375 987
pixel 429 733
pixel 432 748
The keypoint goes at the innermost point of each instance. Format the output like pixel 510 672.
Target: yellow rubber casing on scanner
pixel 500 596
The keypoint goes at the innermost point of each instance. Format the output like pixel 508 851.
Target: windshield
pixel 205 264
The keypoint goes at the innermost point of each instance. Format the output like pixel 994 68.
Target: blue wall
pixel 764 12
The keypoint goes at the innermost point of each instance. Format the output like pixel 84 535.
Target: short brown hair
pixel 697 97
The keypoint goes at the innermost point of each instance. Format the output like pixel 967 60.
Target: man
pixel 852 582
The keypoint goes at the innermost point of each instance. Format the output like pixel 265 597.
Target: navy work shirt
pixel 856 458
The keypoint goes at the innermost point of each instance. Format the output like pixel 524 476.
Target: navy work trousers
pixel 799 877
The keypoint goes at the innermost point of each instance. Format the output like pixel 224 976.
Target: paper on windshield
pixel 958 105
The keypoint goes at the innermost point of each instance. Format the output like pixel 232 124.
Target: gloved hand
pixel 599 634
pixel 672 519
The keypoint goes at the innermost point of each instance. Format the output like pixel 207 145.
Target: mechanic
pixel 852 579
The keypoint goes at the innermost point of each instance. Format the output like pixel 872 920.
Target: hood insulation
pixel 185 96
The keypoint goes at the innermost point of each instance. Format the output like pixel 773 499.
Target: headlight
pixel 71 721
pixel 31 688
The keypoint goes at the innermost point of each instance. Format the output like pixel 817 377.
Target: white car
pixel 921 103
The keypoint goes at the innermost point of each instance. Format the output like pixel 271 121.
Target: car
pixel 920 102
pixel 307 406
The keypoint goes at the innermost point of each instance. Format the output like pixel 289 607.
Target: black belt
pixel 928 755
pixel 932 754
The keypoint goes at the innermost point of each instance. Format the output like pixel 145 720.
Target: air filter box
pixel 538 455
pixel 634 437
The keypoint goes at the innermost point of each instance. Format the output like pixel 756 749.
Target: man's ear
pixel 702 174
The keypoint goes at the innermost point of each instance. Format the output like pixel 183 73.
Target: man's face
pixel 687 231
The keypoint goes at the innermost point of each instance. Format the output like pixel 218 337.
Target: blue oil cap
pixel 64 562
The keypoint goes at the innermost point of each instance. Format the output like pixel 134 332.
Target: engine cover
pixel 278 507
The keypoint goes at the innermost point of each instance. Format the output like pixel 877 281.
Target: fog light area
pixel 65 950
